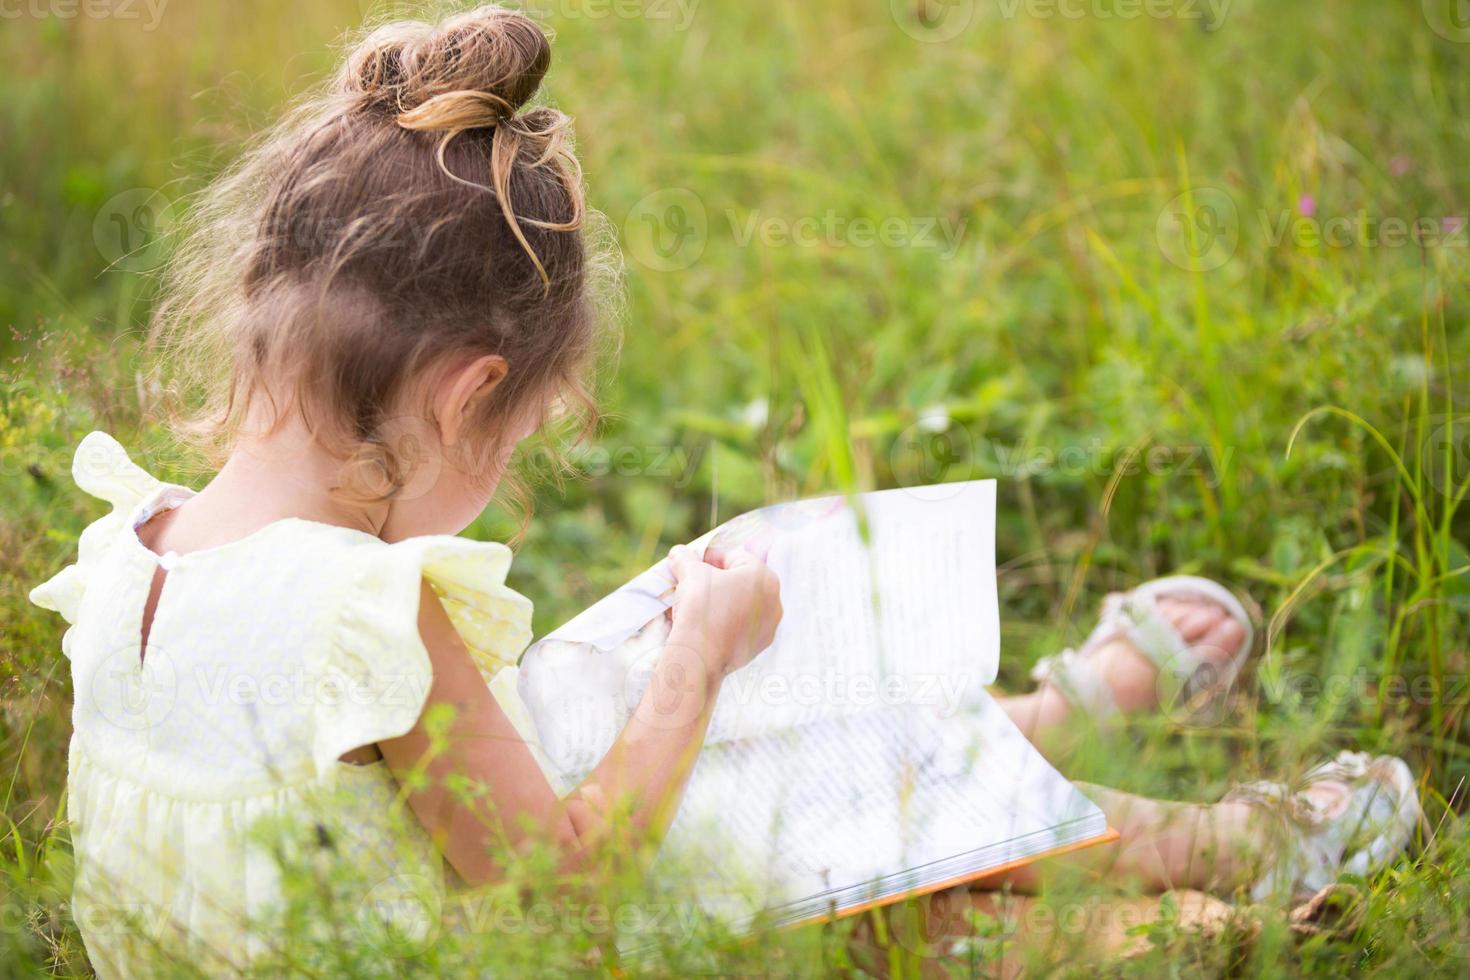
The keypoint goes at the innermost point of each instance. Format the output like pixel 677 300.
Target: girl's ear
pixel 462 390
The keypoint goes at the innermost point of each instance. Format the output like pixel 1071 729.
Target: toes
pixel 1201 621
pixel 1226 637
pixel 1204 624
pixel 1193 618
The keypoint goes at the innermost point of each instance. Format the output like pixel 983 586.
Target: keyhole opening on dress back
pixel 155 589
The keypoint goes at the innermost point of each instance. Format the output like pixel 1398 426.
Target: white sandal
pixel 1374 827
pixel 1185 677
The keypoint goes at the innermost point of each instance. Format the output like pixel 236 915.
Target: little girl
pixel 381 299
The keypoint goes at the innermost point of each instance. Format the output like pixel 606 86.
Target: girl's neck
pixel 287 474
pixel 266 479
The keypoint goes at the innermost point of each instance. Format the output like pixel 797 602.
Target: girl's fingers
pixel 683 563
pixel 715 556
pixel 739 558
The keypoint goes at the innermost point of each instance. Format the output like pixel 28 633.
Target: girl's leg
pixel 1041 716
pixel 1097 926
pixel 1211 847
pixel 1181 848
pixel 1130 675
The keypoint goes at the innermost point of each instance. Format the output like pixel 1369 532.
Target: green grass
pixel 1230 395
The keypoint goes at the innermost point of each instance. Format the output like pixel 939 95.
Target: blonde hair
pixel 409 210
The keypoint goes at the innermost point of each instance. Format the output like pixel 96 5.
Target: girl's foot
pixel 1353 815
pixel 1174 641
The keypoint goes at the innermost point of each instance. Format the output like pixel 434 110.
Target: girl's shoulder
pixel 372 586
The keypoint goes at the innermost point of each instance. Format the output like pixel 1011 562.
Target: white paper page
pixel 907 616
pixel 842 803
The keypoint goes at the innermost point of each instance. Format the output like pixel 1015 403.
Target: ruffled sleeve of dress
pixel 376 665
pixel 102 468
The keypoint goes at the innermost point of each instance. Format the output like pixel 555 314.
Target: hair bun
pixel 472 70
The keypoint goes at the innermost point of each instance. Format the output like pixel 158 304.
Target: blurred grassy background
pixel 1109 253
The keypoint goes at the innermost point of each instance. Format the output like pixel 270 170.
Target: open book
pixel 860 759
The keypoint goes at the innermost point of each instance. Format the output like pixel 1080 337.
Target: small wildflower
pixel 935 418
pixel 756 413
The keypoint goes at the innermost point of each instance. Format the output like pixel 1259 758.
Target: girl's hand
pixel 730 605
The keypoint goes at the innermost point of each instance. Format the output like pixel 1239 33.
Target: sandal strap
pixel 1135 616
pixel 1383 801
pixel 1139 620
pixel 1075 673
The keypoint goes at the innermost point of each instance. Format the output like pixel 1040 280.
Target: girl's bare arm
pixel 479 791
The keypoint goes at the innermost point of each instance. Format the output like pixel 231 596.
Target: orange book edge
pixel 1107 837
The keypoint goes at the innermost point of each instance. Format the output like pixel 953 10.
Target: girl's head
pixel 399 266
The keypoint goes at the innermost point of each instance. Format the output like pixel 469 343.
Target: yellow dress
pixel 193 767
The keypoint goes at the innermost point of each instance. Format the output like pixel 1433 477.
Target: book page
pixel 907 616
pixel 904 614
pixel 842 811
